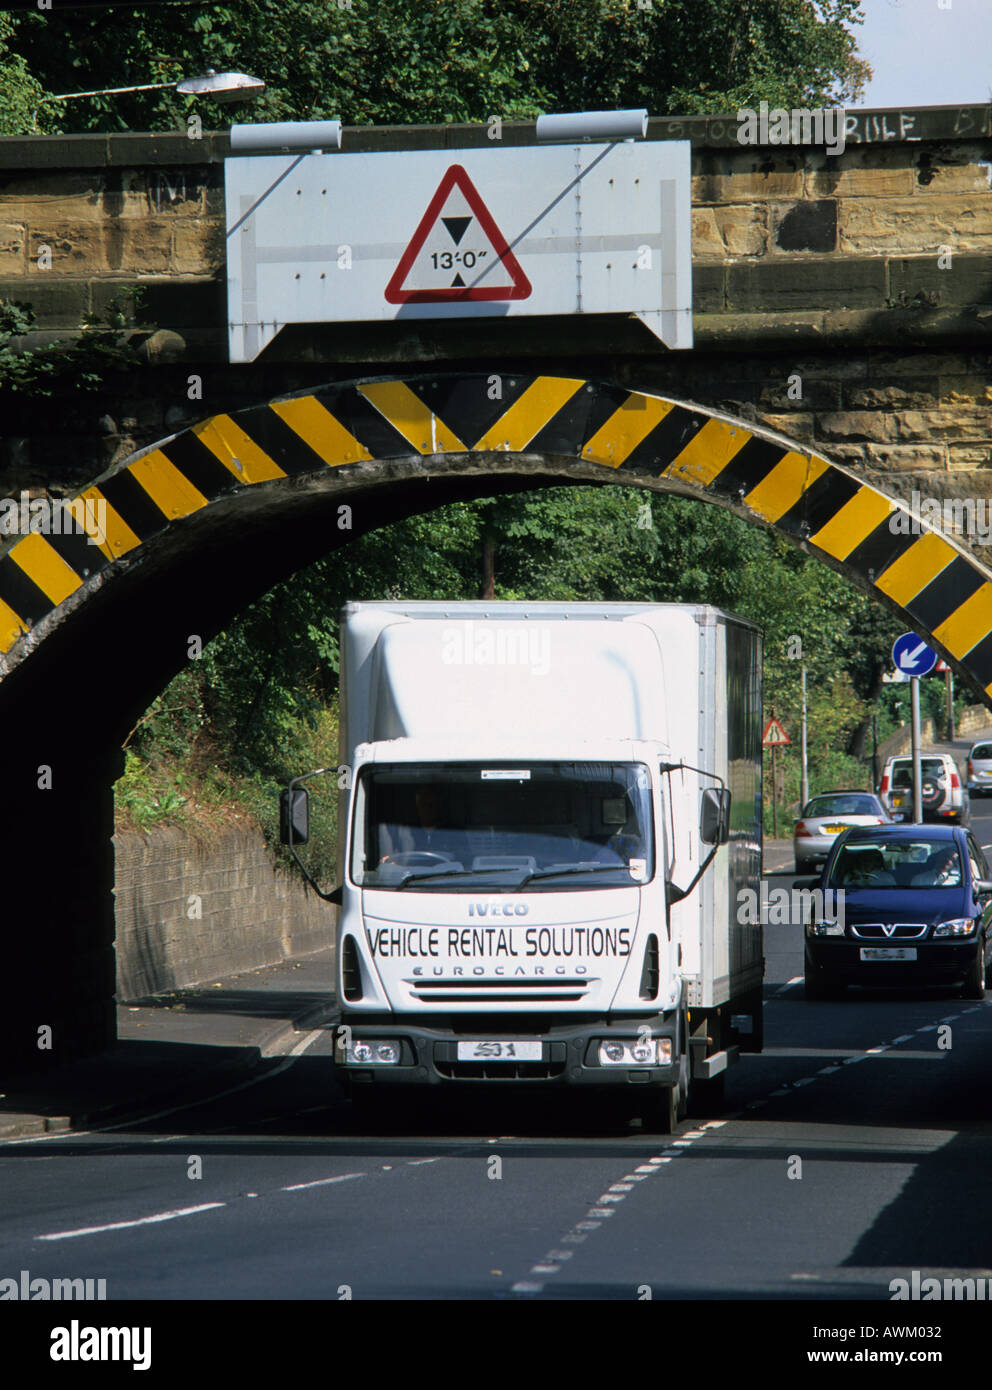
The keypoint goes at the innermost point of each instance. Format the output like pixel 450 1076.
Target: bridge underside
pixel 206 521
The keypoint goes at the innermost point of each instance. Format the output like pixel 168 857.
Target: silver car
pixel 980 769
pixel 824 817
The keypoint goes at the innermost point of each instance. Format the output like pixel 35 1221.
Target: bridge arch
pixel 187 532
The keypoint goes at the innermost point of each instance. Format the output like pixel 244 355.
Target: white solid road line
pixel 141 1221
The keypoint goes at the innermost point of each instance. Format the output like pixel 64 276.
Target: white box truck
pixel 549 814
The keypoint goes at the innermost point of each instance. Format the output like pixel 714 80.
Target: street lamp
pixel 220 86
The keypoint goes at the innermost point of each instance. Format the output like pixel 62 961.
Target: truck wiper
pixel 413 874
pixel 565 870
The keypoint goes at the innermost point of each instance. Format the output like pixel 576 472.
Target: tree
pixel 426 61
pixel 21 94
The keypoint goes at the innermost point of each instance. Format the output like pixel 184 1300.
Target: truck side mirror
pixel 294 809
pixel 714 816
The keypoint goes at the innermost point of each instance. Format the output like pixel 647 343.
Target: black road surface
pixel 853 1152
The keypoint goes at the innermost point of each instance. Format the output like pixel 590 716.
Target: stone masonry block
pixel 859 183
pixel 718 232
pixel 763 179
pixel 797 426
pixel 912 226
pixel 847 425
pixel 13 249
pixel 919 426
pixel 965 456
pixel 915 393
pixel 923 281
pixel 142 248
pixel 822 283
pixel 807 226
pixel 76 248
pixel 894 458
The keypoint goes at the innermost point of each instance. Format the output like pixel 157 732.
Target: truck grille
pixel 499 991
pixel 500 1071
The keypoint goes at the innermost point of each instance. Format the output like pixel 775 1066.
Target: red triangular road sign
pixel 457 252
pixel 774 734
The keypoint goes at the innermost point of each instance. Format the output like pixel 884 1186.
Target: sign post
pixel 915 659
pixel 774 738
pixel 914 686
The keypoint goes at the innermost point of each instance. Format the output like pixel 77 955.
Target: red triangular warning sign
pixel 774 735
pixel 457 253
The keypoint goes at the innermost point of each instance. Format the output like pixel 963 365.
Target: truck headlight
pixel 824 928
pixel 957 926
pixel 635 1052
pixel 373 1053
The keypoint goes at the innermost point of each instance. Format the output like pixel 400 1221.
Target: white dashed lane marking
pixel 140 1221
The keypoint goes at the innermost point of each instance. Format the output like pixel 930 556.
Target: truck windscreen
pixel 553 825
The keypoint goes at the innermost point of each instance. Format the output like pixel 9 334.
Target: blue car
pixel 902 905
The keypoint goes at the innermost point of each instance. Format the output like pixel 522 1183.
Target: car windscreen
pixel 840 806
pixel 981 752
pixel 902 773
pixel 918 861
pixel 461 826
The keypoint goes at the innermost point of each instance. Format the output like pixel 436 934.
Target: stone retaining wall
pixel 188 912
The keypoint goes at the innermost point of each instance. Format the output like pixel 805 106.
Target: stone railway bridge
pixel 843 331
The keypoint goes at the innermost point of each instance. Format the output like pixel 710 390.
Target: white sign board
pixel 557 229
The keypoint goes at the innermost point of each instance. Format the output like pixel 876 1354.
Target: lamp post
pixel 221 86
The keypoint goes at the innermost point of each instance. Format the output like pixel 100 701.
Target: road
pixel 852 1152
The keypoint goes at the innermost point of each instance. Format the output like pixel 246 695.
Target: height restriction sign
pixel 478 232
pixel 457 252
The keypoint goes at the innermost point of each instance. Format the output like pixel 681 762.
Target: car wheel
pixel 819 984
pixel 974 985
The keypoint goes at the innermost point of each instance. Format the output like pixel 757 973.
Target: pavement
pixel 176 1046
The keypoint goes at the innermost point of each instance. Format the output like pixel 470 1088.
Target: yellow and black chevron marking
pixel 943 592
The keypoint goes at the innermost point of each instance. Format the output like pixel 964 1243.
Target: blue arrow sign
pixel 912 656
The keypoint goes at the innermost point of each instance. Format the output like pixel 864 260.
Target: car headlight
pixel 957 926
pixel 824 927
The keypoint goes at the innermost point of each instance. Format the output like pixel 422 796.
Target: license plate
pixel 833 829
pixel 502 1051
pixel 885 953
pixel 984 772
pixel 898 801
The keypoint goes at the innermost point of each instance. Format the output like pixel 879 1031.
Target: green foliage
pixel 86 362
pixel 255 707
pixel 145 797
pixel 21 94
pixel 428 61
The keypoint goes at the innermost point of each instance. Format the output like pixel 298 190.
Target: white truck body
pixel 548 918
